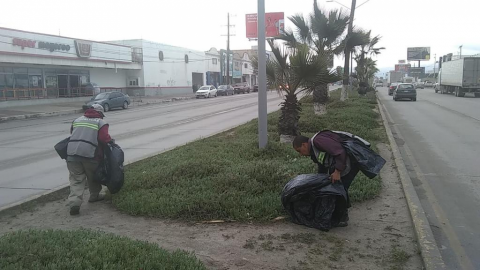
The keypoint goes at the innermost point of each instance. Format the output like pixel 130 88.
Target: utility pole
pixel 346 75
pixel 227 69
pixel 228 48
pixel 434 64
pixel 262 77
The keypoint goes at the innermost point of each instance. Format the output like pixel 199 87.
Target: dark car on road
pixel 255 88
pixel 405 90
pixel 241 88
pixel 225 90
pixel 392 88
pixel 109 100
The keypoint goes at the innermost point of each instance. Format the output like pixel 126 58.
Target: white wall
pixel 108 77
pixel 172 71
pixel 209 55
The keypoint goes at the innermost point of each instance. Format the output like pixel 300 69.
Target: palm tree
pixel 322 32
pixel 355 39
pixel 363 57
pixel 295 70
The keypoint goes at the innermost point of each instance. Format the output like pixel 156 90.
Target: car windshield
pixel 101 96
pixel 204 88
pixel 405 86
pixel 222 87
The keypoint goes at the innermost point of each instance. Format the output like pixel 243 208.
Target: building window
pixel 214 61
pixel 133 82
pixel 160 55
pixel 246 65
pixel 186 58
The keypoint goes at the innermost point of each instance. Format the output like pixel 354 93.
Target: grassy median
pixel 84 249
pixel 227 177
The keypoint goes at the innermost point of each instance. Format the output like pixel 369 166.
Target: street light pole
pixel 346 75
pixel 262 78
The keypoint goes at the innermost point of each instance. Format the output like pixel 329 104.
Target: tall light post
pixel 262 77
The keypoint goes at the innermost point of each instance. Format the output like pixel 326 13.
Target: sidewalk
pixel 37 111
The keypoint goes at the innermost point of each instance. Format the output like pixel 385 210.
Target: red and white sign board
pixel 274 25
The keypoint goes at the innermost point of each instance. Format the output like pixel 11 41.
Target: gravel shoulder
pixel 379 236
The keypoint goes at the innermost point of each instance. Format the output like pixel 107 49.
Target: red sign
pixel 274 24
pixel 23 43
pixel 402 67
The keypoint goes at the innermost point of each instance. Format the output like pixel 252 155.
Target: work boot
pixel 344 220
pixel 96 198
pixel 74 210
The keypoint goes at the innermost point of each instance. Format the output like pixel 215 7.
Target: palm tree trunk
pixel 344 93
pixel 320 99
pixel 288 122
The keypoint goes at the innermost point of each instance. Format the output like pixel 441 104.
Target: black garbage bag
pixel 61 148
pixel 312 200
pixel 369 162
pixel 110 171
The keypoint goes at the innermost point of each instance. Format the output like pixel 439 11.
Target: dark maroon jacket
pixel 331 143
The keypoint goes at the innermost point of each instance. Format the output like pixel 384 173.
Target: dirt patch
pixel 379 236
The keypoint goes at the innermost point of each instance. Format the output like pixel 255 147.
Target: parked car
pixel 241 88
pixel 91 88
pixel 255 88
pixel 109 100
pixel 392 88
pixel 405 90
pixel 225 90
pixel 428 84
pixel 206 91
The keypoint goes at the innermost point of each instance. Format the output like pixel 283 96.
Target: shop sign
pixel 25 43
pixel 84 49
pixel 53 46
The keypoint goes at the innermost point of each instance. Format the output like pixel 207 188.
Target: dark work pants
pixel 348 179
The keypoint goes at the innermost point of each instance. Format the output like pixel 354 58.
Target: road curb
pixel 49 195
pixel 430 253
pixel 68 112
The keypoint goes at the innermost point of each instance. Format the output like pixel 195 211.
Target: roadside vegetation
pixel 226 176
pixel 84 249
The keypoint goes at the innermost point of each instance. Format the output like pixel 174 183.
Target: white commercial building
pixel 45 66
pixel 167 70
pixel 41 65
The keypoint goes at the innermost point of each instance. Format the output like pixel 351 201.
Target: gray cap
pixel 98 108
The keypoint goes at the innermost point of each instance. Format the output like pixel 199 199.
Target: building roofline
pixel 30 32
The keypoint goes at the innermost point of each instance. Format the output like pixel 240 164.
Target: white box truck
pixel 395 76
pixel 460 76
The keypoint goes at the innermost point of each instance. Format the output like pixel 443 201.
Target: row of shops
pixel 42 65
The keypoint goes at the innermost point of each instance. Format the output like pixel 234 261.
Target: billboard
pixel 402 67
pixel 274 25
pixel 417 72
pixel 418 53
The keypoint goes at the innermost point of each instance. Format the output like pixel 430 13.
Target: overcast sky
pixel 443 25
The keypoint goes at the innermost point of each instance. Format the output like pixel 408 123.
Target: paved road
pixel 29 165
pixel 439 137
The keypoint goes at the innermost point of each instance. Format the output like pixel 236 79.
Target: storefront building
pixel 46 65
